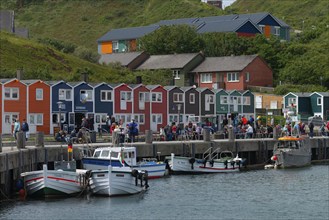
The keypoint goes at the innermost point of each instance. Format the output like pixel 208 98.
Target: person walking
pixel 25 129
pixel 17 128
pixel 132 130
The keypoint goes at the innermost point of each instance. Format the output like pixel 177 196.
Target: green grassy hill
pixel 80 23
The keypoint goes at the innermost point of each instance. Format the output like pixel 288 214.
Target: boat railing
pixel 207 154
pixel 215 154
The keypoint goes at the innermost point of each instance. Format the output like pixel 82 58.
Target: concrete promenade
pixel 14 161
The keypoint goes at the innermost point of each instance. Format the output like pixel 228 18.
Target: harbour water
pixel 261 194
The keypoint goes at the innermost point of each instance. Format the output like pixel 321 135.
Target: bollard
pixel 21 140
pixel 115 138
pixel 230 134
pixel 40 139
pixel 206 134
pixel 0 143
pixel 148 137
pixel 93 136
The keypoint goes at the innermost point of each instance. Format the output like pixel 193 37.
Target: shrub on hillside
pixel 86 54
pixel 65 47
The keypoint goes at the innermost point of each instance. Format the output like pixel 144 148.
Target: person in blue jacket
pixel 132 130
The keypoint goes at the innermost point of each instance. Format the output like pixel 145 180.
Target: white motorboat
pixel 65 180
pixel 120 157
pixel 291 151
pixel 211 162
pixel 116 181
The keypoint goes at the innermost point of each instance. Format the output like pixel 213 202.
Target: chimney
pixel 19 74
pixel 138 79
pixel 85 77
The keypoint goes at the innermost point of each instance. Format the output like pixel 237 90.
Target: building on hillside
pixel 216 3
pixel 14 103
pixel 179 64
pixel 130 60
pixel 159 107
pixel 38 106
pixel 126 39
pixel 7 23
pixel 232 72
pixel 123 40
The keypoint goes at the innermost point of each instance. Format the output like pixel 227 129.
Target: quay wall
pixel 14 161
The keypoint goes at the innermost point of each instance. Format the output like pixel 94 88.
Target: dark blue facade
pixel 248 27
pixel 80 106
pixel 268 20
pixel 103 106
pixel 67 103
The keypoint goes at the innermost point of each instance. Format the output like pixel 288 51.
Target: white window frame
pixel 192 98
pixel 115 46
pixel 126 95
pixel 65 95
pixel 292 101
pixel 210 98
pixel 139 119
pixel 156 96
pixel 247 76
pixel 107 93
pixel 224 99
pixel 39 94
pixel 176 74
pixel 319 101
pixel 173 118
pixel 37 119
pixel 206 77
pixel 12 92
pixel 262 28
pixel 233 77
pixel 157 118
pixel 178 97
pixel 89 93
pixel 246 100
pixel 144 96
pixel 63 117
pixel 277 30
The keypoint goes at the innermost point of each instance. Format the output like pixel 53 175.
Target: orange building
pixel 38 97
pixel 14 103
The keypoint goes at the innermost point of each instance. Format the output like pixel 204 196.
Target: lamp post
pixel 60 116
pixel 179 108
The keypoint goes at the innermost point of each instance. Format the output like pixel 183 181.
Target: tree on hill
pixel 172 39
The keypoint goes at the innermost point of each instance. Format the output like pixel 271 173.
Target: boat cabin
pixel 126 155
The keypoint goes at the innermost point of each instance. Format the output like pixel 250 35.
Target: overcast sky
pixel 227 3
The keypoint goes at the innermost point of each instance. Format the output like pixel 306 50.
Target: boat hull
pixel 195 166
pixel 288 159
pixel 155 170
pixel 116 181
pixel 48 183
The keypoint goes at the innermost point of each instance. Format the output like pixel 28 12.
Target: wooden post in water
pixel 206 134
pixel 39 139
pixel 21 140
